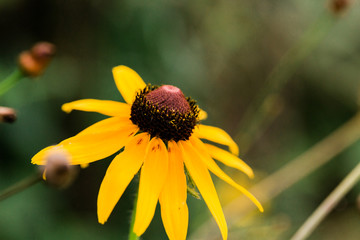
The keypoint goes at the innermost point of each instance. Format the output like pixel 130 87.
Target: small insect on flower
pixel 160 131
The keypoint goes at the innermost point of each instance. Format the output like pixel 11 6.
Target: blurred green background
pixel 218 52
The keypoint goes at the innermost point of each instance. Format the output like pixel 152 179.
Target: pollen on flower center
pixel 164 112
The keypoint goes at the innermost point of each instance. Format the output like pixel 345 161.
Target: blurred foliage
pixel 218 52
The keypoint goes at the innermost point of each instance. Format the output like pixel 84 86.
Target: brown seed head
pixel 7 115
pixel 164 112
pixel 33 62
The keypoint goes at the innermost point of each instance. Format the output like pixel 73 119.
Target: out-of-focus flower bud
pixel 7 115
pixel 34 61
pixel 339 6
pixel 58 171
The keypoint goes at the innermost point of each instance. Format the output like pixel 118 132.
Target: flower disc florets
pixel 164 112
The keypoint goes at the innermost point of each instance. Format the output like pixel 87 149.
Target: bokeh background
pixel 220 52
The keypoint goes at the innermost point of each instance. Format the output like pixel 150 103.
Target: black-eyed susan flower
pixel 160 131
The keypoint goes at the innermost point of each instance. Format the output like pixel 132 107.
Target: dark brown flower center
pixel 164 112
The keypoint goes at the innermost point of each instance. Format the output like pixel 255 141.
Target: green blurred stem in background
pixel 20 186
pixel 11 81
pixel 265 106
pixel 328 204
pixel 132 235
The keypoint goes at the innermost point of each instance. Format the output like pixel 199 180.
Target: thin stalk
pixel 254 118
pixel 287 176
pixel 132 235
pixel 328 204
pixel 20 186
pixel 10 81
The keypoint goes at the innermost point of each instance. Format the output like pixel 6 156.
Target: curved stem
pixel 132 235
pixel 328 204
pixel 20 186
pixel 10 81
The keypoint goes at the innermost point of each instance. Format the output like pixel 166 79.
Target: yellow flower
pixel 160 132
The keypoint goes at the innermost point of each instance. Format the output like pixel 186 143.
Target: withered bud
pixel 339 6
pixel 58 171
pixel 34 61
pixel 7 115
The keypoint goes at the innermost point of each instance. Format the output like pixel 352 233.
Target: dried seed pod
pixel 7 115
pixel 33 62
pixel 339 6
pixel 58 171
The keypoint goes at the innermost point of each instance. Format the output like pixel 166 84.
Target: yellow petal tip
pixel 84 165
pixel 102 222
pixel 137 231
pixel 258 204
pixel 202 115
pixel 234 149
pixel 66 108
pixel 101 219
pixel 119 68
pixel 261 209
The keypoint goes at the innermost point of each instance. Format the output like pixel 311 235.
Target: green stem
pixel 20 186
pixel 328 204
pixel 132 235
pixel 10 81
pixel 257 113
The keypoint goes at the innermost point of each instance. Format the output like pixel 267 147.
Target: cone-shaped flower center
pixel 169 97
pixel 164 112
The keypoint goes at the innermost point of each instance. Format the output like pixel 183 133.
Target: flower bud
pixel 58 171
pixel 7 115
pixel 33 62
pixel 339 6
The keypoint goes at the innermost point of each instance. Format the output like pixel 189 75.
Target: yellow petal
pixel 217 135
pixel 200 152
pixel 229 159
pixel 202 179
pixel 202 115
pixel 88 148
pixel 174 210
pixel 84 165
pixel 128 82
pixel 96 142
pixel 51 152
pixel 107 125
pixel 40 157
pixel 152 179
pixel 119 174
pixel 106 107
